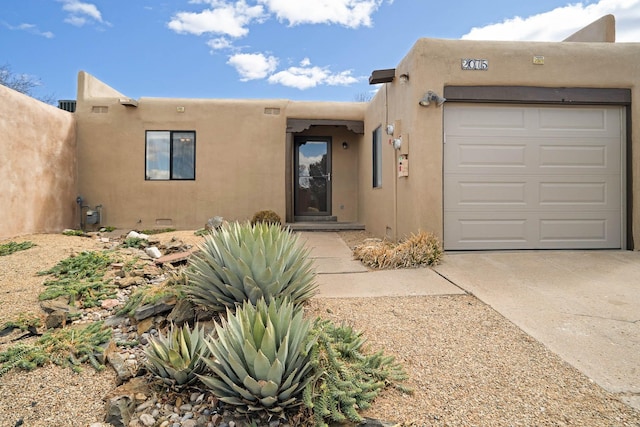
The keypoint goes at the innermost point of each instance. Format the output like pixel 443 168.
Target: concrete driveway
pixel 582 305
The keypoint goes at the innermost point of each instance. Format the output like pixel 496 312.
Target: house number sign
pixel 475 64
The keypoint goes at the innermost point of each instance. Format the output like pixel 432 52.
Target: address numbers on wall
pixel 475 64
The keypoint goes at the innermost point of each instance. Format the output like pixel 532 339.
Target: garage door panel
pixel 578 121
pixel 491 155
pixel 573 156
pixel 487 229
pixel 579 193
pixel 488 193
pixel 583 231
pixel 496 121
pixel 557 185
pixel 497 193
pixel 501 231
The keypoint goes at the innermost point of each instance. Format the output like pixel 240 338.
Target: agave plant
pixel 244 262
pixel 178 357
pixel 261 357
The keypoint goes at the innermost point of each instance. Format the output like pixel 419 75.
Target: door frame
pixel 298 141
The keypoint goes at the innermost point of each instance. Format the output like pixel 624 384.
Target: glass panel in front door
pixel 313 183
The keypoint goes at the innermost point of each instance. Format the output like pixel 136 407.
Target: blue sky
pixel 291 49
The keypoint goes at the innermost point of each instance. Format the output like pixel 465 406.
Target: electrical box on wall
pixel 403 165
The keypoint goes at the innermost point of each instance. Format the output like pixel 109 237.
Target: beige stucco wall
pixel 601 30
pixel 37 166
pixel 408 204
pixel 241 157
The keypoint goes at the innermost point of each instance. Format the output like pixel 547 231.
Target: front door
pixel 312 176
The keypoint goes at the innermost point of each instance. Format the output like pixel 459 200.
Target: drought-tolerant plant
pixel 81 279
pixel 70 347
pixel 11 247
pixel 346 378
pixel 243 262
pixel 421 249
pixel 150 294
pixel 23 322
pixel 135 242
pixel 178 357
pixel 261 358
pixel 266 216
pixel 71 232
pixel 158 231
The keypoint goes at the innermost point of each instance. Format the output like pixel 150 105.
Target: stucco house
pixel 489 145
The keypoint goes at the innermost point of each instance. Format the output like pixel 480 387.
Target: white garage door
pixel 533 177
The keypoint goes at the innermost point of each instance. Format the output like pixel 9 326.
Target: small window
pixel 170 155
pixel 377 157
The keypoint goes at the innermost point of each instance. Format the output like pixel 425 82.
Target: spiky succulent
pixel 244 262
pixel 178 357
pixel 261 357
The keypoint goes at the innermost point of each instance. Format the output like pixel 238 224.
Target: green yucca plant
pixel 261 357
pixel 244 262
pixel 178 357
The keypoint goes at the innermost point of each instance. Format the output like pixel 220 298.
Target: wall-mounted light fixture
pixel 389 129
pixel 345 145
pixel 430 97
pixel 404 77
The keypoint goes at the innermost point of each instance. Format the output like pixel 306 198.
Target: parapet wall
pixel 37 166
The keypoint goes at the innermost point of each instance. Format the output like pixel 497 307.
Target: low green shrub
pixel 12 247
pixel 346 379
pixel 135 242
pixel 81 279
pixel 69 347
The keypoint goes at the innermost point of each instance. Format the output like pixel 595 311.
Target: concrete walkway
pixel 582 305
pixel 339 276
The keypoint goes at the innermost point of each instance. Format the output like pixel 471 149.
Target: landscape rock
pixel 119 411
pixel 144 325
pixel 184 311
pixel 110 303
pixel 147 420
pixel 58 304
pixel 214 223
pixel 121 403
pixel 161 306
pixel 56 319
pixel 129 281
pixel 153 252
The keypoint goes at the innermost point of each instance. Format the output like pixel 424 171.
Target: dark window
pixel 377 157
pixel 170 155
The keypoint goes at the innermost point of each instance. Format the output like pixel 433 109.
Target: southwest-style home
pixel 489 145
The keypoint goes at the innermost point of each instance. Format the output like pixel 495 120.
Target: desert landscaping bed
pixel 468 366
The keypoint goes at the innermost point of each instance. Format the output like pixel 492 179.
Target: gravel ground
pixel 468 365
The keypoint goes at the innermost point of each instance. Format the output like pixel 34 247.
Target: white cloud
pixel 219 43
pixel 559 23
pixel 30 28
pixel 306 76
pixel 81 13
pixel 349 13
pixel 230 19
pixel 253 66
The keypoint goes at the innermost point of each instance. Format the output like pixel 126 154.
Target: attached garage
pixel 526 176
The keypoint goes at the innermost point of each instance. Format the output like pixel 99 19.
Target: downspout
pixel 393 174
